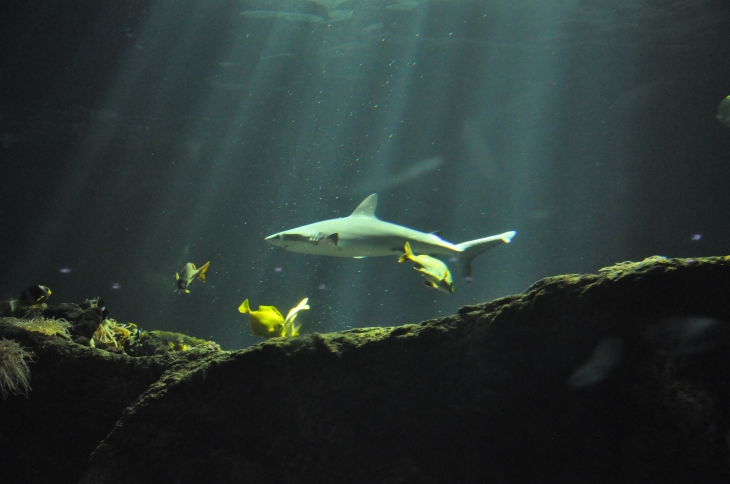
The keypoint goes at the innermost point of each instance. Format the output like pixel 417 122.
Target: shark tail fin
pixel 201 274
pixel 473 248
pixel 244 307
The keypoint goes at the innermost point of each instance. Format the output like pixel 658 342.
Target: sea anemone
pixel 110 332
pixel 14 371
pixel 47 326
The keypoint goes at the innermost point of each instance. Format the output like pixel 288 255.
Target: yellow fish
pixel 436 273
pixel 268 322
pixel 187 274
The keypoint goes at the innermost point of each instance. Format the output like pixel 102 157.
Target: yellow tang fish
pixel 268 322
pixel 436 273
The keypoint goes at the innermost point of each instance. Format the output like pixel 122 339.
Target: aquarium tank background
pixel 138 136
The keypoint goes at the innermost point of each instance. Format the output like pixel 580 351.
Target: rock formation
pixel 620 376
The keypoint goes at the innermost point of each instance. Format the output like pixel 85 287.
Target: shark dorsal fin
pixel 367 207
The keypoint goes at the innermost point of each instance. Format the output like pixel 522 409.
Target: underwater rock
pixel 160 342
pixel 619 376
pixel 75 398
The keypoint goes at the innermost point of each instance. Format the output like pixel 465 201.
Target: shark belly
pixel 358 236
pixel 374 238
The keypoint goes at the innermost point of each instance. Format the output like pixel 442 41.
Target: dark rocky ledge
pixel 620 376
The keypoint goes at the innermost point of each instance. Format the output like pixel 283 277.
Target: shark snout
pixel 275 239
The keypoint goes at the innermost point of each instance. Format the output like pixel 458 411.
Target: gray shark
pixel 362 234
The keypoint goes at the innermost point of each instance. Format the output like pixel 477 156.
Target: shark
pixel 362 234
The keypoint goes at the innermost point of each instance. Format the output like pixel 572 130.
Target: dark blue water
pixel 138 136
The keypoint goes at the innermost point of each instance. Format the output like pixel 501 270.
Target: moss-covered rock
pixel 149 343
pixel 619 376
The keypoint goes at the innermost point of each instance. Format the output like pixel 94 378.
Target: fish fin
pixel 407 254
pixel 177 276
pixel 366 207
pixel 469 250
pixel 187 291
pixel 244 307
pixel 299 307
pixel 201 274
pixel 430 284
pixel 273 309
pixel 289 328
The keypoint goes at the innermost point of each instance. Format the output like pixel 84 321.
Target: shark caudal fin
pixel 474 248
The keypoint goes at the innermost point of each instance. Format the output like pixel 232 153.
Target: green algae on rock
pixel 619 376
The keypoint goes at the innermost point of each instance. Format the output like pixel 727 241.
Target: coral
pixel 14 371
pixel 47 326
